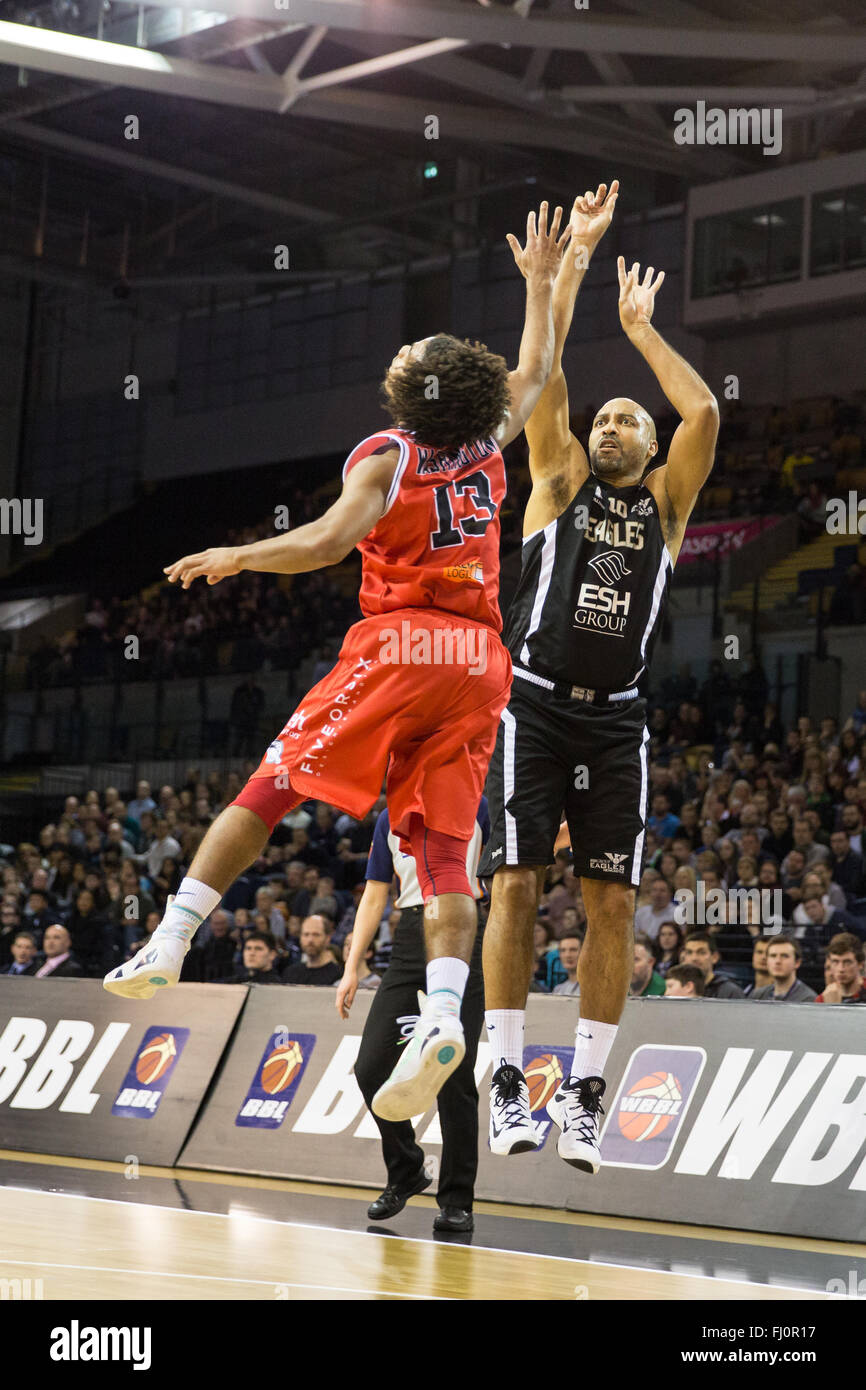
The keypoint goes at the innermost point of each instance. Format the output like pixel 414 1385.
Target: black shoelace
pixel 507 1085
pixel 588 1097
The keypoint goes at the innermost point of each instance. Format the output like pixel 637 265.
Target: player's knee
pixel 440 860
pixel 516 891
pixel 611 909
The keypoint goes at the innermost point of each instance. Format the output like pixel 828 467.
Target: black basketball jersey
pixel 592 590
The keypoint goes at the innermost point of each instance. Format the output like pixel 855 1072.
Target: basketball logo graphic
pixel 276 1079
pixel 649 1105
pixel 646 1115
pixel 154 1060
pixel 150 1071
pixel 543 1075
pixel 281 1067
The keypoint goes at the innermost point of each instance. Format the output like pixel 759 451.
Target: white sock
pixel 506 1029
pixel 192 903
pixel 592 1044
pixel 446 982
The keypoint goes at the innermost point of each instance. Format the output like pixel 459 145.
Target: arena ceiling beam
pixel 577 32
pixel 713 96
pixel 469 75
pixel 381 110
pixel 94 60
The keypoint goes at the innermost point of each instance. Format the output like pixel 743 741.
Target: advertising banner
pixel 721 537
pixel 726 1113
pixel 85 1073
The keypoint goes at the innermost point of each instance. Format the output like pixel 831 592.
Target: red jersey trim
pixel 356 457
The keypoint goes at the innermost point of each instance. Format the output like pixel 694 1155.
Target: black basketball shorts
pixel 557 757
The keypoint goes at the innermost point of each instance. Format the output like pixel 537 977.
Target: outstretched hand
pixel 214 564
pixel 636 297
pixel 591 214
pixel 539 259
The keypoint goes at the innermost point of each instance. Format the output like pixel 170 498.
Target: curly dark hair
pixel 469 390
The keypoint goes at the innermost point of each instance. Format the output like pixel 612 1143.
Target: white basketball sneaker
pixel 576 1107
pixel 512 1128
pixel 435 1049
pixel 157 964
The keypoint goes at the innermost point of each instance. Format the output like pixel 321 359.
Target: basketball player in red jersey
pixel 420 682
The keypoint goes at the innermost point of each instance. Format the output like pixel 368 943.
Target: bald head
pixel 622 441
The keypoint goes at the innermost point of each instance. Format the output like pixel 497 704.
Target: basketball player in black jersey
pixel 601 537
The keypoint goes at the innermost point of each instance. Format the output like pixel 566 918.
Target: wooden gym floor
pixel 91 1230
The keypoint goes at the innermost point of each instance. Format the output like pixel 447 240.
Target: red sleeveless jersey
pixel 437 543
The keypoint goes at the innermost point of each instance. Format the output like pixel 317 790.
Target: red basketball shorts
pixel 414 700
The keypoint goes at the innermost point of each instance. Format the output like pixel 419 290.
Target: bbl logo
pixel 150 1072
pixel 544 1067
pixel 277 1078
pixel 650 1105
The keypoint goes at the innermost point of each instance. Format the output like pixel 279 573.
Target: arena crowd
pixel 753 880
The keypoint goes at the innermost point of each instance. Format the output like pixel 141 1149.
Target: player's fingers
pixel 530 226
pixel 613 190
pixel 620 270
pixel 635 272
pixel 659 281
pixel 599 194
pixel 648 277
pixel 516 248
pixel 555 221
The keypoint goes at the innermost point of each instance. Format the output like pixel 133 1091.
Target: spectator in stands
pixel 847 867
pixel 367 978
pixel 645 978
pixel 87 930
pixel 805 842
pixel 318 966
pixel 37 914
pixel 60 963
pixel 699 949
pixel 570 944
pixel 549 971
pixel 662 820
pixel 762 976
pixel 265 901
pixel 685 982
pixel 259 955
pixel 162 845
pixel 245 717
pixel 812 511
pixel 857 719
pixel 846 956
pixel 660 908
pixel 825 921
pixel 793 870
pixel 852 824
pixel 213 958
pixel 143 801
pixel 24 956
pixel 668 945
pixel 783 961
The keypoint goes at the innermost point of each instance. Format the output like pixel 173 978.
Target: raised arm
pixel 676 483
pixel 326 541
pixel 538 263
pixel 553 450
